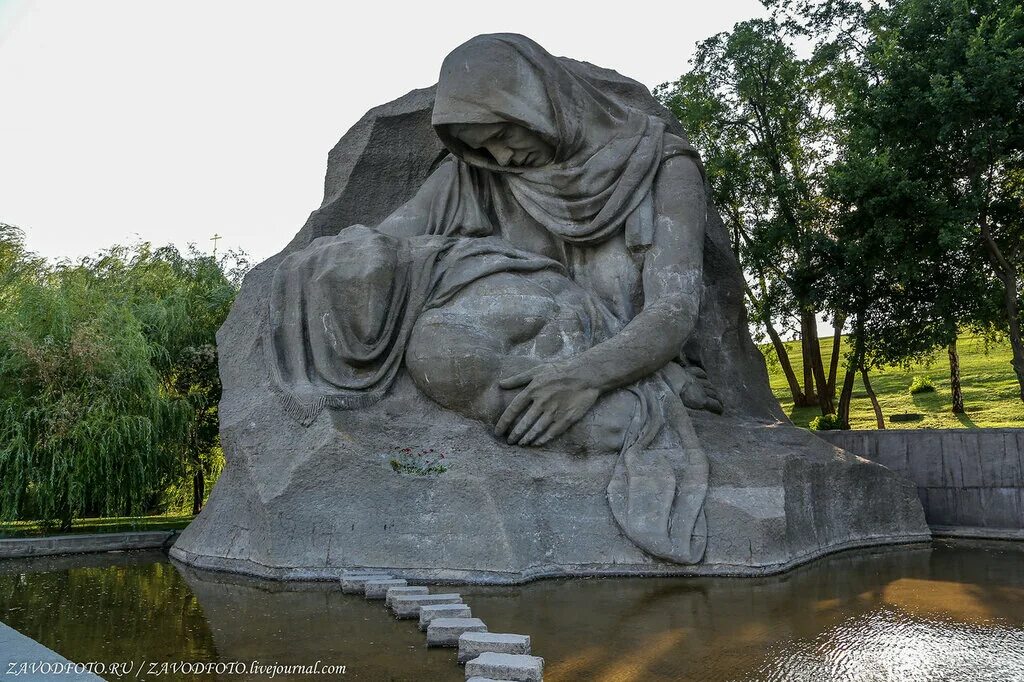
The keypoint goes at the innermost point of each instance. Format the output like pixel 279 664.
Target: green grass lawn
pixel 991 393
pixel 116 524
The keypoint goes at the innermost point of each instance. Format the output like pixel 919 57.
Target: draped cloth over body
pixel 343 309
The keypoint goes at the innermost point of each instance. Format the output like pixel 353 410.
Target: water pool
pixel 945 611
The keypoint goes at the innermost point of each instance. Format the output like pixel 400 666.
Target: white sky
pixel 172 121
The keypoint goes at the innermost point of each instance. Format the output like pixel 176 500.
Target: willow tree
pixel 180 300
pixel 84 423
pixel 108 383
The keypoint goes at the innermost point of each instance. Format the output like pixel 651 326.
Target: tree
pixel 949 102
pixel 181 300
pixel 107 397
pixel 929 93
pixel 903 266
pixel 766 131
pixel 83 422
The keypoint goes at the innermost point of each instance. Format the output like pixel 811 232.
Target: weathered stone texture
pixel 312 502
pixel 446 631
pixel 970 480
pixel 408 606
pixel 472 644
pixel 394 592
pixel 432 611
pixel 518 667
pixel 354 584
pixel 378 589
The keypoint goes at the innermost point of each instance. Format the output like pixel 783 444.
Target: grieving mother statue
pixel 543 280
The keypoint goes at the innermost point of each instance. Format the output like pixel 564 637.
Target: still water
pixel 949 611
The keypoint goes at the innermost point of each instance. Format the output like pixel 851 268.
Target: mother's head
pixel 508 144
pixel 562 137
pixel 504 103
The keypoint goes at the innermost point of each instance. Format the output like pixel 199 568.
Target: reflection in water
pixel 105 607
pixel 946 612
pixel 829 620
pixel 889 644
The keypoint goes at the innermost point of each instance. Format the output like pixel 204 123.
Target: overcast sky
pixel 173 121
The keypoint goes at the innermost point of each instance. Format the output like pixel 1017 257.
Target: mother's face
pixel 508 144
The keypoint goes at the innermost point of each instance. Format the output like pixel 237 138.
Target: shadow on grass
pixel 929 401
pixel 120 524
pixel 802 416
pixel 966 421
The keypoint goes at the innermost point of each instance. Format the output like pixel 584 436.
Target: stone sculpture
pixel 536 362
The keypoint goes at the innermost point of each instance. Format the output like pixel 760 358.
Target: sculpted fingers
pixel 557 428
pixel 512 412
pixel 537 429
pixel 517 380
pixel 693 397
pixel 701 395
pixel 525 422
pixel 567 415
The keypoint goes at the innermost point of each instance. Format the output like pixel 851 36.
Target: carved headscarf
pixel 606 153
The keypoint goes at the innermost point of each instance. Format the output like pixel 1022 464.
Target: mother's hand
pixel 556 396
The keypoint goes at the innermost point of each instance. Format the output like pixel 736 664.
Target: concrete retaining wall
pixel 79 544
pixel 971 482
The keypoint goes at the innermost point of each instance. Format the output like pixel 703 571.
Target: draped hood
pixel 607 153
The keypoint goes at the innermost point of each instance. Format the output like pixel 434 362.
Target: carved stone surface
pixel 402 471
pixel 970 481
pixel 472 644
pixel 446 631
pixel 408 606
pixel 432 611
pixel 517 667
pixel 394 592
pixel 378 589
pixel 354 584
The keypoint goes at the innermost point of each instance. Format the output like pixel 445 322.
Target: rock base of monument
pixel 369 488
pixel 346 492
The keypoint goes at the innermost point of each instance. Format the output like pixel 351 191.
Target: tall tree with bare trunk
pixel 767 133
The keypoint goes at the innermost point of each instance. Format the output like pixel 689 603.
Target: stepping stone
pixel 408 605
pixel 514 667
pixel 378 589
pixel 395 591
pixel 446 631
pixel 486 679
pixel 354 583
pixel 432 611
pixel 472 644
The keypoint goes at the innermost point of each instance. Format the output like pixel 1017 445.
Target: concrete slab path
pixel 28 660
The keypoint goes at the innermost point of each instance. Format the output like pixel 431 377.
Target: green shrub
pixel 85 423
pixel 826 422
pixel 921 385
pixel 108 379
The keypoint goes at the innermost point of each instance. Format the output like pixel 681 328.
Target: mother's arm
pixel 557 395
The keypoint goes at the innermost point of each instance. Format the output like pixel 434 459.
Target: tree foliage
pixel 930 173
pixel 108 384
pixel 764 121
pixel 881 176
